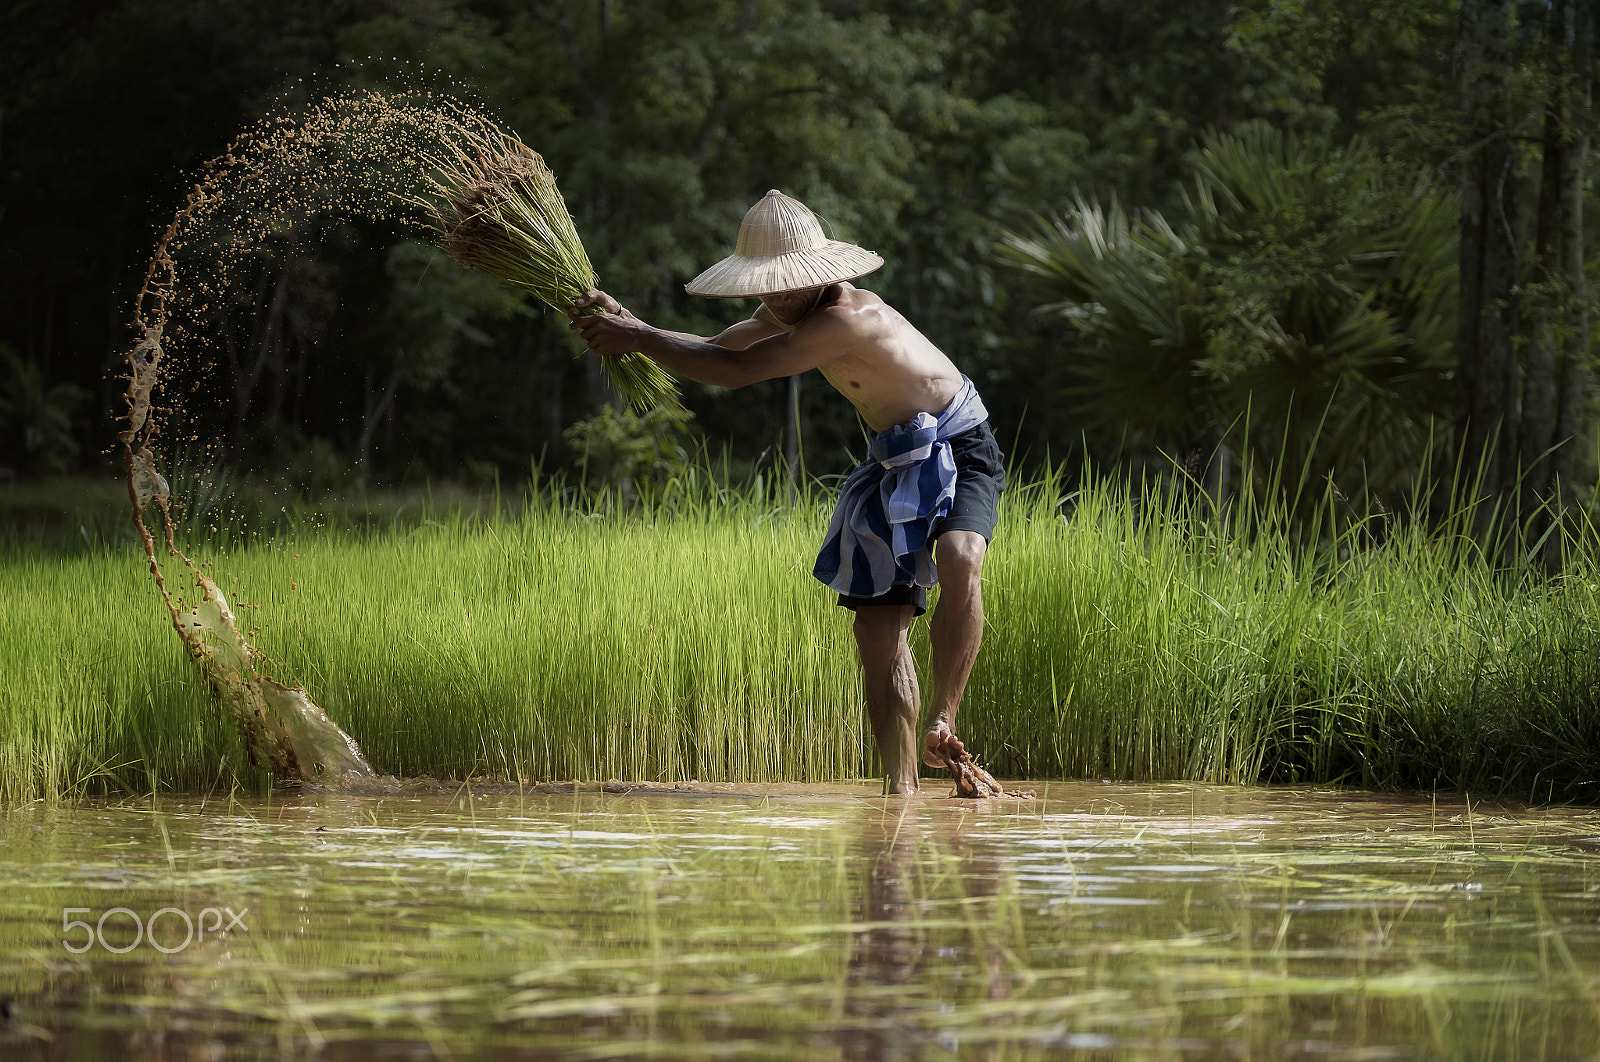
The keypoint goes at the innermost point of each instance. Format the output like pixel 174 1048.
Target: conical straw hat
pixel 781 248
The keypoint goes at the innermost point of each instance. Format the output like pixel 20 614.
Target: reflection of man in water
pixel 924 967
pixel 935 472
pixel 886 952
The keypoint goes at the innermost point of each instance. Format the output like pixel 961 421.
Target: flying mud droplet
pixel 284 728
pixel 366 155
pixel 148 484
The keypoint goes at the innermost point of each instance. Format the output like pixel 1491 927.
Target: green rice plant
pixel 1151 635
pixel 496 208
pixel 95 693
pixel 1132 631
pixel 550 649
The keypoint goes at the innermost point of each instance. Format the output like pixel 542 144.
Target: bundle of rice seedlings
pixel 497 209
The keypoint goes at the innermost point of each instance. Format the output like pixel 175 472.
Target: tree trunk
pixel 1488 392
pixel 1539 379
pixel 375 406
pixel 1575 372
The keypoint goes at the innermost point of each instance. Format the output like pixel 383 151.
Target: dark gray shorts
pixel 980 477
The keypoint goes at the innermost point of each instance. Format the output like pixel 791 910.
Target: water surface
pixel 801 922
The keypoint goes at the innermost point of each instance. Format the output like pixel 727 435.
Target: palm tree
pixel 37 420
pixel 1301 311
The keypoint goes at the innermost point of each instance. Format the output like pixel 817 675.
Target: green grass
pixel 1178 647
pixel 693 643
pixel 64 514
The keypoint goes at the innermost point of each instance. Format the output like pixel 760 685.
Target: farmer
pixel 935 471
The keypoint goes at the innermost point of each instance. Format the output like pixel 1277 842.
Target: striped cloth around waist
pixel 878 537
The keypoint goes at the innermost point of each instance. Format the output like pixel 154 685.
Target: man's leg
pixel 956 633
pixel 889 676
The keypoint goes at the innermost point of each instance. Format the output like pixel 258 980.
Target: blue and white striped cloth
pixel 879 534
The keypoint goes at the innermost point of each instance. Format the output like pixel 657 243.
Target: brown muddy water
pixel 816 922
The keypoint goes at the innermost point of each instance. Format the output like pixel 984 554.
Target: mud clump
pixel 971 781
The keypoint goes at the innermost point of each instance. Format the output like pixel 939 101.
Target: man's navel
pixel 856 384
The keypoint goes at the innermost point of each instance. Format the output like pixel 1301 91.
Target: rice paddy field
pixel 640 817
pixel 1125 638
pixel 1129 636
pixel 823 922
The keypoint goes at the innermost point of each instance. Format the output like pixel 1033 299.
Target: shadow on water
pixel 800 922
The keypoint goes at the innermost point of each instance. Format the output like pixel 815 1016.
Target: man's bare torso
pixel 873 356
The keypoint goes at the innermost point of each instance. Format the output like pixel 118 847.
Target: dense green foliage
pixel 1247 223
pixel 1300 308
pixel 921 129
pixel 1131 634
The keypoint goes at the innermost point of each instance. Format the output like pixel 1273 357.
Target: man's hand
pixel 612 331
pixel 596 297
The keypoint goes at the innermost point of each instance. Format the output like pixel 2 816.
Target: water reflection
pixel 886 948
pixel 904 924
pixel 808 922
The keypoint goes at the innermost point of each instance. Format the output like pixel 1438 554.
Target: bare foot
pixel 940 746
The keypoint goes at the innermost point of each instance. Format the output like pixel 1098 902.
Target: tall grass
pixel 1150 636
pixel 1130 634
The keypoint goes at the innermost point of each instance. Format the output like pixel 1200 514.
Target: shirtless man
pixel 811 318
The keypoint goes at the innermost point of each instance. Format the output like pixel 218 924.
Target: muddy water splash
pixel 360 155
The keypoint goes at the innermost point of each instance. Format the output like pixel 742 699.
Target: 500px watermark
pixel 172 920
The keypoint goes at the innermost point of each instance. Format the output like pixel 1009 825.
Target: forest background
pixel 1148 229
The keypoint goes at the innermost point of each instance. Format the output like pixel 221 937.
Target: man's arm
pixel 741 354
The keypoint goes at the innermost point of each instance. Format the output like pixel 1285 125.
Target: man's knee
pixel 880 628
pixel 960 558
